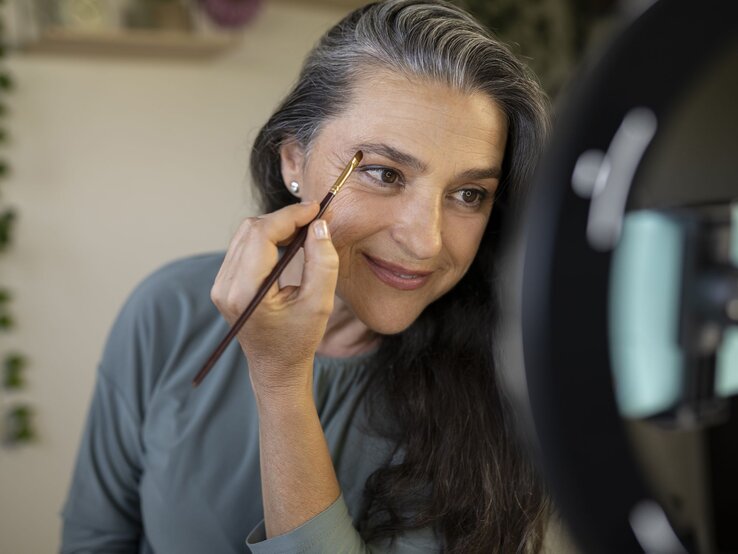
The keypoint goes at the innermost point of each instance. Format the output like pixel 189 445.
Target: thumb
pixel 320 270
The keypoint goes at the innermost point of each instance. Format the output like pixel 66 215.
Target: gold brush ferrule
pixel 346 172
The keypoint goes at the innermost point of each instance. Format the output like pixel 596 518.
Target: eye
pixel 389 176
pixel 470 197
pixel 383 175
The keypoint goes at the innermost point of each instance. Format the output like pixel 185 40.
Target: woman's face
pixel 408 222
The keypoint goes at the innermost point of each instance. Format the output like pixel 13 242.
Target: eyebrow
pixel 403 158
pixel 393 154
pixel 479 174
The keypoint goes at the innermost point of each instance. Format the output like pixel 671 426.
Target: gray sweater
pixel 166 468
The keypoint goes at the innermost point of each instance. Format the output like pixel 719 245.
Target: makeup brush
pixel 288 254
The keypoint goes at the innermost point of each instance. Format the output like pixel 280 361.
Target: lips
pixel 396 276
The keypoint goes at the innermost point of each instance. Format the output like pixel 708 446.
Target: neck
pixel 345 334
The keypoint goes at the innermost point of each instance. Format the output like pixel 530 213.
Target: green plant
pixel 550 35
pixel 16 421
pixel 13 367
pixel 19 424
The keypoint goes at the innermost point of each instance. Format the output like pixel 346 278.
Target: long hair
pixel 461 470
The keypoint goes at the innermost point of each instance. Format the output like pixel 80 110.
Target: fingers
pixel 256 234
pixel 279 227
pixel 252 254
pixel 320 271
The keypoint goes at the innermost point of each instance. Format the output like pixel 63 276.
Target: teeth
pixel 406 276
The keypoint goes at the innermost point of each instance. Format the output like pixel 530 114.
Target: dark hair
pixel 462 470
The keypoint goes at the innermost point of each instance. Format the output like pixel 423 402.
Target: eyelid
pixel 482 191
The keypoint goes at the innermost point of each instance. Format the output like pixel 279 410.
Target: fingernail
pixel 321 229
pixel 307 202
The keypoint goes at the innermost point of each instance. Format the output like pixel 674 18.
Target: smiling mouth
pixel 396 276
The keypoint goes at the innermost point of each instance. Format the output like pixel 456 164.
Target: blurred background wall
pixel 119 164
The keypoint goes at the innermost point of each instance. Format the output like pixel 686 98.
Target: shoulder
pixel 167 306
pixel 164 322
pixel 184 276
pixel 181 288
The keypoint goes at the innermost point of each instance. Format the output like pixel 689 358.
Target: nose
pixel 418 226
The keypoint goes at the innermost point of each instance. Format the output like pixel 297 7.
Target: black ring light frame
pixel 588 462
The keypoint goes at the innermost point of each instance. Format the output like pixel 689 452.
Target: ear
pixel 292 158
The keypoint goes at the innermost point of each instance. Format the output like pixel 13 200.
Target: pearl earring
pixel 295 187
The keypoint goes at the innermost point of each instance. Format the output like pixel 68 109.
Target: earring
pixel 295 187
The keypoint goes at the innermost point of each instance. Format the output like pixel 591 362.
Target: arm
pixel 295 472
pixel 297 476
pixel 279 341
pixel 303 508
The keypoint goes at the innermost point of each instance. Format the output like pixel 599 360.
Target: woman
pixel 361 411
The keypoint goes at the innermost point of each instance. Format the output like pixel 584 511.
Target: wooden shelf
pixel 338 4
pixel 131 42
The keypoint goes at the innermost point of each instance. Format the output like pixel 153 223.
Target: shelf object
pixel 130 42
pixel 118 28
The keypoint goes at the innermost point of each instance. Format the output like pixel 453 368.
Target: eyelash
pixel 481 194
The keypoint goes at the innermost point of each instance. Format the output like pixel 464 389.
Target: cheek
pixel 349 225
pixel 462 243
pixel 353 215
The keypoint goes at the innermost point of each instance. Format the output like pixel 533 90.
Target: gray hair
pixel 428 40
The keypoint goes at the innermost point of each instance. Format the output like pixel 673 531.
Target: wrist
pixel 292 391
pixel 284 398
pixel 278 377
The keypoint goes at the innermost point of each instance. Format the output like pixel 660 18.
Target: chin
pixel 387 323
pixel 389 329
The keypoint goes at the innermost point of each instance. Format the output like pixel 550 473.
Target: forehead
pixel 428 118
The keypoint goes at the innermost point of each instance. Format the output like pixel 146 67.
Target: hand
pixel 281 336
